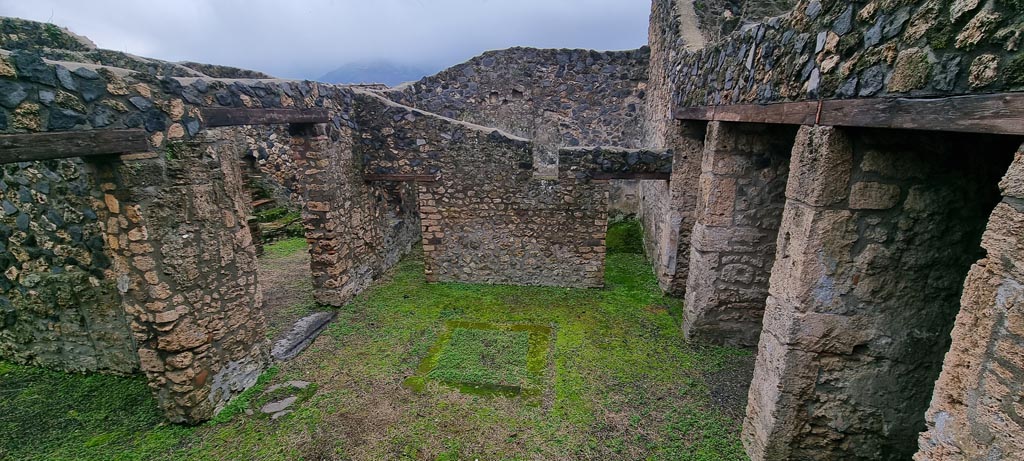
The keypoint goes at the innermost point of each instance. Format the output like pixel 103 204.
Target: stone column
pixel 977 410
pixel 878 231
pixel 743 176
pixel 188 275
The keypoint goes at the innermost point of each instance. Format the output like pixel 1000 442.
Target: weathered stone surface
pixel 302 334
pixel 279 405
pixel 488 218
pixel 817 153
pixel 879 49
pixel 975 407
pixel 741 194
pixel 862 296
pixel 874 196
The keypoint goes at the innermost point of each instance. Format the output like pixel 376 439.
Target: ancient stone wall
pixel 740 200
pixel 356 230
pixel 156 243
pixel 61 309
pixel 719 18
pixel 486 218
pixel 556 97
pixel 666 209
pixel 188 274
pixel 878 232
pixel 975 410
pixel 836 49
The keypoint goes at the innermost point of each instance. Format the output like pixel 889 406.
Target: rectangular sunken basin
pixel 487 359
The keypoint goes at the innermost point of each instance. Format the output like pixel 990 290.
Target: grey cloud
pixel 304 39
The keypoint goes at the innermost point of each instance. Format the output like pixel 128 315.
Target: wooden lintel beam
pixel 1000 113
pixel 66 144
pixel 401 177
pixel 643 176
pixel 235 116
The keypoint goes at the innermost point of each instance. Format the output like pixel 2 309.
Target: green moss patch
pixel 50 415
pixel 286 247
pixel 625 237
pixel 487 359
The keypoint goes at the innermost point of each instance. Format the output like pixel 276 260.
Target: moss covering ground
pixel 624 384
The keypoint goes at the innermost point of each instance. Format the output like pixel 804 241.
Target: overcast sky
pixel 307 38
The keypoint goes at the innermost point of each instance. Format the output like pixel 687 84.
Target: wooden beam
pixel 401 177
pixel 234 116
pixel 1000 113
pixel 67 144
pixel 626 175
pixel 793 113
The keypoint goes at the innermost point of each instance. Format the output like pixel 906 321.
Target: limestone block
pixel 1004 239
pixel 1012 184
pixel 813 246
pixel 820 166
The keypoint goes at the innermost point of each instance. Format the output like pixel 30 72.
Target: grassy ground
pixel 48 415
pixel 287 285
pixel 620 383
pixel 625 237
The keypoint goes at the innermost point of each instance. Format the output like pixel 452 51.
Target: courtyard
pixel 412 370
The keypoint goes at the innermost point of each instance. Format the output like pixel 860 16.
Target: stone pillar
pixel 338 231
pixel 188 275
pixel 667 209
pixel 878 231
pixel 743 177
pixel 977 410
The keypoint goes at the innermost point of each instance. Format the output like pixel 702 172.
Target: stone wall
pixel 666 209
pixel 975 410
pixel 356 230
pixel 152 250
pixel 719 18
pixel 878 232
pixel 61 309
pixel 557 97
pixel 486 218
pixel 740 200
pixel 188 274
pixel 835 49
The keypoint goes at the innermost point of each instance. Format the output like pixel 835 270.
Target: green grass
pixel 621 383
pixel 48 415
pixel 277 214
pixel 488 357
pixel 285 247
pixel 625 237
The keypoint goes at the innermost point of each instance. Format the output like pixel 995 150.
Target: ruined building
pixel 838 184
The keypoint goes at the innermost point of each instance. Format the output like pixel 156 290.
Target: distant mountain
pixel 385 72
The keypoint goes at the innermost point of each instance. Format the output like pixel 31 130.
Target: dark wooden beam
pixel 644 176
pixel 401 177
pixel 234 116
pixel 67 144
pixel 1001 113
pixel 792 113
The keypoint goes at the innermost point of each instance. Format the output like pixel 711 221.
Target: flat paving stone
pixel 278 406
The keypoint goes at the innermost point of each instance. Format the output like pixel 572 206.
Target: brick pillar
pixel 976 410
pixel 743 176
pixel 878 232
